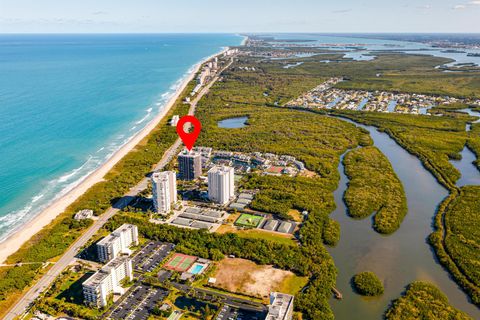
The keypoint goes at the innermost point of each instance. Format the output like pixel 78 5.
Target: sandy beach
pixel 11 244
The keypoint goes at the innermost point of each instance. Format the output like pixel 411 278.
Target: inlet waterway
pixel 398 259
pixel 470 173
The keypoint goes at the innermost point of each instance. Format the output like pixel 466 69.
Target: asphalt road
pixel 69 256
pixel 224 298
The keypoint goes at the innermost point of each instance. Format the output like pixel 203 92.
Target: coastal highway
pixel 69 256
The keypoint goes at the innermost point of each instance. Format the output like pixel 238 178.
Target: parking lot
pixel 231 313
pixel 139 303
pixel 151 255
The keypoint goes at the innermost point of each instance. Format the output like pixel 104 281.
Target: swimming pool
pixel 196 269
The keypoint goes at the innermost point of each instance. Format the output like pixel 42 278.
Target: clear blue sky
pixel 239 16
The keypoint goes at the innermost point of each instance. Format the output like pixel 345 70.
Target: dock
pixel 337 294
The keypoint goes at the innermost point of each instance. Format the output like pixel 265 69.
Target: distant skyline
pixel 150 16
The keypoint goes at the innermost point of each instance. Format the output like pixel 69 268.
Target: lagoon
pixel 233 123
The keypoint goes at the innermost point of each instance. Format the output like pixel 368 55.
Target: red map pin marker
pixel 189 138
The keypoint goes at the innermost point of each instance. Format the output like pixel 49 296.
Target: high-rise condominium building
pixel 106 281
pixel 164 189
pixel 221 186
pixel 117 242
pixel 189 165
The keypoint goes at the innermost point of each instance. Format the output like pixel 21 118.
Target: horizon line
pixel 233 32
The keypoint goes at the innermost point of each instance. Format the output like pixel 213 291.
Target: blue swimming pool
pixel 196 269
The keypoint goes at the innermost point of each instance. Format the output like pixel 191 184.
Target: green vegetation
pixel 374 187
pixel 367 284
pixel 293 284
pixel 259 234
pixel 248 220
pixel 423 301
pixel 53 240
pixel 462 240
pixel 331 232
pixel 65 296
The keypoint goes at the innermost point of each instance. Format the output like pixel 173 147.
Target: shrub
pixel 367 284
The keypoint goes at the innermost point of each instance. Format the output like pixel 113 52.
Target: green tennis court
pixel 186 263
pixel 175 261
pixel 180 262
pixel 248 220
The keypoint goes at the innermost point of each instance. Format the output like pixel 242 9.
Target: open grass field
pixel 180 262
pixel 248 220
pixel 246 277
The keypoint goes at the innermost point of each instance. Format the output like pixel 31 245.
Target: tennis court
pixel 248 220
pixel 180 262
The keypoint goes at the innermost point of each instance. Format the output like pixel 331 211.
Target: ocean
pixel 68 102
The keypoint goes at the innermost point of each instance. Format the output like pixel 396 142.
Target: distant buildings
pixel 83 214
pixel 106 281
pixel 221 188
pixel 281 306
pixel 326 96
pixel 164 189
pixel 189 165
pixel 203 76
pixel 117 242
pixel 230 52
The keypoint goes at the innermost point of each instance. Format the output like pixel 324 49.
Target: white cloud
pixel 426 6
pixel 464 6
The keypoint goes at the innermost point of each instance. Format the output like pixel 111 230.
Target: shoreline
pixel 13 242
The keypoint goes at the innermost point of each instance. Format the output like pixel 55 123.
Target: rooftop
pixel 115 234
pixel 279 306
pixel 105 271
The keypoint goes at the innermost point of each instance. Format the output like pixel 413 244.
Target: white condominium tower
pixel 164 189
pixel 106 281
pixel 117 242
pixel 221 187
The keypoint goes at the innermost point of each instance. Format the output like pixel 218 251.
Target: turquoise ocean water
pixel 68 102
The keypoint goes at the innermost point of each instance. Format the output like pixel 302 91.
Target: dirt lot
pixel 246 277
pixel 307 173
